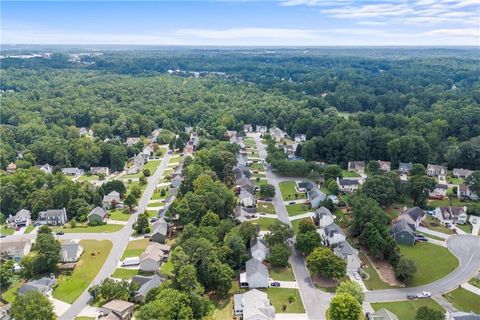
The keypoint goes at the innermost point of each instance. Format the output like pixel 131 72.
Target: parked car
pixel 411 296
pixel 292 202
pixel 60 233
pixel 153 219
pixel 424 294
pixel 275 284
pixel 474 220
pixel 2 235
pixel 357 276
pixel 146 236
pixel 368 316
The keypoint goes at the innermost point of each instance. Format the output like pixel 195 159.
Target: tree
pixel 418 169
pixel 308 241
pixel 146 172
pixel 332 172
pixel 6 274
pixel 267 191
pixel 473 182
pixel 169 304
pixel 306 225
pixel 32 305
pixel 210 219
pixel 48 253
pixel 333 187
pixel 130 201
pixel 426 313
pixel 380 188
pixel 142 225
pixel 279 254
pixel 373 167
pixel 419 187
pixel 114 185
pixel 110 289
pixel 344 307
pixel 373 239
pixel 353 289
pixel 279 233
pixel 324 262
pixel 405 269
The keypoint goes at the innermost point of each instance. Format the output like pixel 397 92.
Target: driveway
pixel 465 247
pixel 475 226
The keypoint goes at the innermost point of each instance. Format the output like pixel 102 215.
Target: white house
pixel 332 234
pixel 464 192
pixel 255 275
pixel 300 137
pixel 436 170
pixel 324 217
pixel 384 165
pixel 258 249
pixel 70 251
pixel 111 200
pixel 21 219
pixel 151 259
pixel 261 129
pixel 253 305
pixel 246 199
pixel 248 128
pixel 347 185
pixel 349 254
pixel 452 214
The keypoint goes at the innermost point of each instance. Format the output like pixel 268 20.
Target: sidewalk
pixel 302 216
pixel 437 242
pixel 444 303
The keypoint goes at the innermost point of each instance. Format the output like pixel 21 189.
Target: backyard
pixel 224 307
pixel 407 310
pixel 289 191
pixel 279 298
pixel 135 248
pixel 464 300
pixel 350 174
pixel 70 287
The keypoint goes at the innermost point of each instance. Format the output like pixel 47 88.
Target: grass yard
pixel 224 307
pixel 123 273
pixel 475 282
pixel 289 192
pixel 10 294
pixel 374 282
pixel 350 174
pixel 281 274
pixel 464 300
pixel 120 214
pixel 435 225
pixel 135 248
pixel 260 175
pixel 430 236
pixel 130 185
pixel 296 224
pixel 158 196
pixel 167 268
pixel 264 223
pixel 407 310
pixel 249 142
pixel 151 165
pixel 433 262
pixel 29 229
pixel 5 230
pixel 297 209
pixel 279 297
pixel 266 207
pixel 70 287
pixel 90 229
pixel 156 204
pixel 454 180
pixel 88 178
pixel 174 160
pixel 467 227
pixel 455 202
pixel 257 166
pixel 152 213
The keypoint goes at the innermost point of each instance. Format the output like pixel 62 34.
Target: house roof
pixel 401 226
pixel 462 172
pixel 332 229
pixel 21 214
pixel 322 211
pixel 383 314
pixel 356 165
pixel 348 182
pixel 52 213
pixel 414 213
pixel 68 250
pixel 258 245
pixel 160 226
pixel 244 181
pixel 43 284
pixel 8 245
pixel 436 167
pixel 99 211
pixel 146 283
pixel 451 212
pixel 344 249
pixel 253 266
pixel 315 193
pixel 119 306
pixel 255 305
pixel 245 194
pixel 152 252
pixel 405 166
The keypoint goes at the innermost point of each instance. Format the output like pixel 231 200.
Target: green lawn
pixel 135 248
pixel 152 213
pixel 130 185
pixel 120 214
pixel 464 300
pixel 88 178
pixel 374 282
pixel 297 209
pixel 70 287
pixel 156 204
pixel 257 166
pixel 89 229
pixel 435 225
pixel 158 196
pixel 260 175
pixel 430 236
pixel 433 262
pixel 296 224
pixel 281 274
pixel 288 191
pixel 467 227
pixel 264 223
pixel 475 282
pixel 167 268
pixel 123 273
pixel 279 298
pixel 29 228
pixel 453 180
pixel 407 310
pixel 266 207
pixel 174 160
pixel 224 307
pixel 152 165
pixel 249 142
pixel 455 202
pixel 350 174
pixel 85 318
pixel 5 230
pixel 10 294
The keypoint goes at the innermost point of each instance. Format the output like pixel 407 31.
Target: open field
pixel 266 207
pixel 281 274
pixel 264 223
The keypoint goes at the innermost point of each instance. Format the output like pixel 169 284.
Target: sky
pixel 243 22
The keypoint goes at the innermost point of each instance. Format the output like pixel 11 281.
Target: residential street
pixel 119 239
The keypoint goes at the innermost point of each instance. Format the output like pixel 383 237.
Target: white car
pixel 357 276
pixel 424 294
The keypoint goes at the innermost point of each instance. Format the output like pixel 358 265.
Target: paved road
pixel 465 247
pixel 315 301
pixel 119 239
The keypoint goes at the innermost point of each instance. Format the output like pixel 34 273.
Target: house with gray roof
pixel 332 234
pixel 261 129
pixel 258 249
pixel 111 200
pixel 55 217
pixel 100 170
pixel 132 140
pixel 74 172
pixel 349 254
pixel 356 166
pixel 146 283
pixel 70 251
pixel 347 185
pixel 43 285
pixel 412 216
pixel 243 213
pixel 253 305
pixel 452 214
pixel 323 217
pixel 159 231
pixel 405 167
pixel 316 197
pixel 247 128
pixel 46 168
pixel 255 275
pixel 246 198
pixel 434 170
pixel 98 215
pixel 15 248
pixel 176 182
pixel 383 314
pixel 151 259
pixel 460 315
pixel 403 233
pixel 21 219
pixel 461 173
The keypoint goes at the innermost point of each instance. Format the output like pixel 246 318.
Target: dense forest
pixel 419 105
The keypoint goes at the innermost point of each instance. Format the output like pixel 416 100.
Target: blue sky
pixel 259 23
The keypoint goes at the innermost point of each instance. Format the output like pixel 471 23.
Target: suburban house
pixel 403 233
pixel 460 315
pixel 85 132
pixel 243 214
pixel 300 137
pixel 240 170
pixel 439 192
pixel 151 259
pixel 73 172
pixel 347 185
pixel 255 275
pixel 21 219
pixel 349 254
pixel 100 170
pixel 461 173
pixel 316 197
pixel 137 164
pixel 278 134
pixel 43 285
pixel 98 215
pixel 15 248
pixel 356 166
pixel 334 198
pixel 384 165
pixel 258 249
pixel 246 199
pixel 146 153
pixel 434 170
pixel 46 168
pixel 412 216
pixel 242 160
pixel 464 192
pixel 383 314
pixel 111 200
pixel 176 182
pixel 405 167
pixel 70 251
pixel 248 128
pixel 332 234
pixel 261 129
pixel 123 310
pixel 253 305
pixel 230 133
pixel 56 217
pixel 11 167
pixel 188 150
pixel 159 231
pixel 245 183
pixel 188 130
pixel 146 283
pixel 452 214
pixel 288 149
pixel 323 217
pixel 132 141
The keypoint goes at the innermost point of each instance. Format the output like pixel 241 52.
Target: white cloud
pixel 369 10
pixel 464 32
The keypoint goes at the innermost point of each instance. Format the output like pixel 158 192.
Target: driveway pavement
pixel 433 233
pixel 302 216
pixel 475 226
pixel 471 288
pixel 291 316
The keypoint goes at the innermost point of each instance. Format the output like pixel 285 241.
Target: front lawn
pixel 157 194
pixel 467 227
pixel 464 300
pixel 88 178
pixel 151 165
pixel 264 223
pixel 435 225
pixel 89 229
pixel 475 282
pixel 289 192
pixel 174 160
pixel 454 180
pixel 123 273
pixel 156 204
pixel 120 214
pixel 297 209
pixel 279 298
pixel 70 287
pixel 257 166
pixel 259 175
pixel 11 293
pixel 374 281
pixel 281 274
pixel 433 262
pixel 29 229
pixel 296 224
pixel 130 184
pixel 407 310
pixel 7 231
pixel 266 207
pixel 134 248
pixel 455 202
